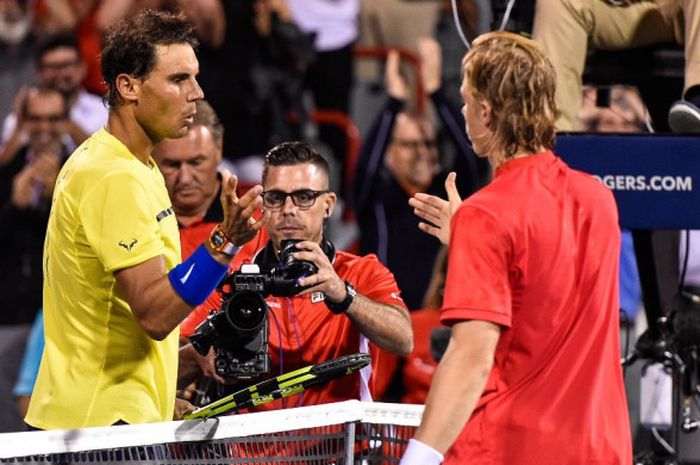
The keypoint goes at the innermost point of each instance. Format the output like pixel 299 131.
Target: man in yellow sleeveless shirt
pixel 114 293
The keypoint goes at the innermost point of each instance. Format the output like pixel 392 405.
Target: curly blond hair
pixel 512 74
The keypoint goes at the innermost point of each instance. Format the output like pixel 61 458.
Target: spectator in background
pixel 565 28
pixel 27 184
pixel 399 158
pixel 80 19
pixel 254 80
pixel 43 114
pixel 189 166
pixel 16 41
pixel 330 77
pixel 59 66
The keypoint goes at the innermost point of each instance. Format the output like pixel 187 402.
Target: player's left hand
pixel 436 212
pixel 326 280
pixel 239 223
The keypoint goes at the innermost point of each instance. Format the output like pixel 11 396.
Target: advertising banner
pixel 655 178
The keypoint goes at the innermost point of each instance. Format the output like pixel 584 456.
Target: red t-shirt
pixel 307 332
pixel 419 366
pixel 194 235
pixel 536 252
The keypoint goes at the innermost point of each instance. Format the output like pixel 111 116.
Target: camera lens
pixel 246 313
pixel 301 269
pixel 295 269
pixel 287 248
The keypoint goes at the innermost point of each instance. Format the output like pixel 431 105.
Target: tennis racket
pixel 284 385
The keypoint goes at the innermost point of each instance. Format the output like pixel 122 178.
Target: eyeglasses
pixel 303 198
pixel 415 144
pixel 48 118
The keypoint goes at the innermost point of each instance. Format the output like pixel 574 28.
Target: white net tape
pixel 342 433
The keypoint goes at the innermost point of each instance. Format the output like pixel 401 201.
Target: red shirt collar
pixel 535 158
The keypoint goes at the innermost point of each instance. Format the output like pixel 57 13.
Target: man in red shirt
pixel 532 371
pixel 352 303
pixel 189 166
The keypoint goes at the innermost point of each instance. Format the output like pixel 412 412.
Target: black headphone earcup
pixel 328 248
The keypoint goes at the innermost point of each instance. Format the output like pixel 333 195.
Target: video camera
pixel 238 332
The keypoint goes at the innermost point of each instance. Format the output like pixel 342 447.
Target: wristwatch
pixel 343 305
pixel 220 242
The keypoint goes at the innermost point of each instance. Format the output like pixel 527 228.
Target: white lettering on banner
pixel 626 182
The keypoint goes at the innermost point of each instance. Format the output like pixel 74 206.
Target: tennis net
pixel 344 433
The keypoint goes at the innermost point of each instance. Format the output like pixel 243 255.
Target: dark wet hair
pixel 130 46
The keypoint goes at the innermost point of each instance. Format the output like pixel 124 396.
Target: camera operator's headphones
pixel 266 258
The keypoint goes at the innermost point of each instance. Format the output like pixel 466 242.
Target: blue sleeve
pixel 32 358
pixel 630 287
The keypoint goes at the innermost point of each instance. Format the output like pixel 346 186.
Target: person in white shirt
pixel 335 25
pixel 58 66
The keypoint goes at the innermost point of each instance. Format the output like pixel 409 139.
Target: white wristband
pixel 419 453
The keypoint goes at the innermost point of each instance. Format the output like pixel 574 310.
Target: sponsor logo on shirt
pixel 128 246
pixel 396 296
pixel 164 214
pixel 273 304
pixel 317 297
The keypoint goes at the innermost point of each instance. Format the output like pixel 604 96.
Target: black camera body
pixel 239 331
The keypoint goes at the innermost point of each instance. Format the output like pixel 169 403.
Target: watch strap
pixel 343 305
pixel 220 242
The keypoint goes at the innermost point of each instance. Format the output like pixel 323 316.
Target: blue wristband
pixel 197 277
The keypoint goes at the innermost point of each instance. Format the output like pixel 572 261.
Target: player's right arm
pixel 457 385
pixel 159 299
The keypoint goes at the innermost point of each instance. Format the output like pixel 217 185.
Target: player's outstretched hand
pixel 239 224
pixel 436 212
